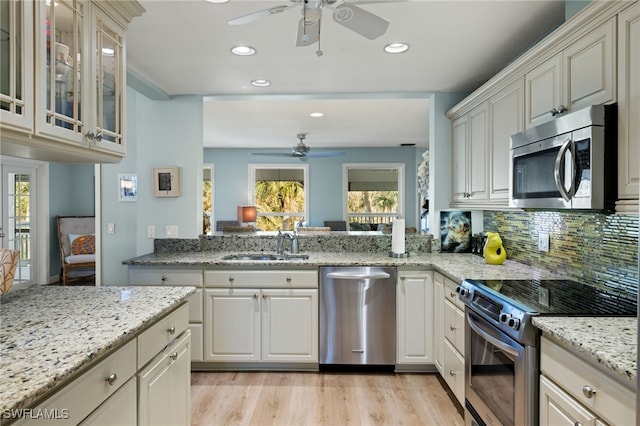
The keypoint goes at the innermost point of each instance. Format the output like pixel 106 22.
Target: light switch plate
pixel 172 231
pixel 543 241
pixel 111 228
pixel 151 231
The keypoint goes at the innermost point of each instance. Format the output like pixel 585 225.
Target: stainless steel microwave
pixel 567 163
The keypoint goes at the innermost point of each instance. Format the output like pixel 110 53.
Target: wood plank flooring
pixel 327 398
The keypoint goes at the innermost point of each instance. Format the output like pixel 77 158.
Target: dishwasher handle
pixel 357 276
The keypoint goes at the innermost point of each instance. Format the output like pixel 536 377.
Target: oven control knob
pixel 513 323
pixel 504 318
pixel 463 292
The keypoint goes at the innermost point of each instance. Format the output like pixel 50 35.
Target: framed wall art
pixel 127 187
pixel 166 182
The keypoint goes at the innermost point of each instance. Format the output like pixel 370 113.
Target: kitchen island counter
pixel 455 266
pixel 51 334
pixel 610 343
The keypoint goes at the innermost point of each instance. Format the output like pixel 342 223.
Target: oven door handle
pixel 566 195
pixel 503 346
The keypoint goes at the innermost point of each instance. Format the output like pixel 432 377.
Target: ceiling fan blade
pixel 307 34
pixel 360 21
pixel 372 1
pixel 241 20
pixel 274 154
pixel 324 154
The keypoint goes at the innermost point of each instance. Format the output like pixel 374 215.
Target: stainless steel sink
pixel 265 257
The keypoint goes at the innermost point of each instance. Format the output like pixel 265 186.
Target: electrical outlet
pixel 151 231
pixel 543 242
pixel 172 231
pixel 543 296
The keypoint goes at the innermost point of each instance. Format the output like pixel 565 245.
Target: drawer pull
pixel 289 279
pixel 452 294
pixel 111 379
pixel 231 279
pixel 163 279
pixel 452 373
pixel 171 330
pixel 174 356
pixel 255 296
pixel 588 391
pixel 452 327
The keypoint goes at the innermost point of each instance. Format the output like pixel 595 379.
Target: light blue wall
pixel 231 170
pixel 71 193
pixel 159 134
pixel 571 7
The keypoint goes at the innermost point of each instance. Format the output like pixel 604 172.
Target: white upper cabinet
pixel 65 86
pixel 582 74
pixel 628 109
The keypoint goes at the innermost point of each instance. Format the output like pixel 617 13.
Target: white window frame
pixel 400 167
pixel 252 187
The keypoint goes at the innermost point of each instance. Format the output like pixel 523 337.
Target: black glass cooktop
pixel 560 297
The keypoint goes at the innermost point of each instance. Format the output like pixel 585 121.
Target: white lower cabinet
pixel 117 410
pixel 165 386
pixel 573 391
pixel 261 325
pixel 414 305
pixel 438 320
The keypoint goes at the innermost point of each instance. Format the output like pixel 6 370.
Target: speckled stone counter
pixel 455 266
pixel 610 343
pixel 50 334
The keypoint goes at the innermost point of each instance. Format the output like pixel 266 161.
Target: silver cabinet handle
pixel 264 296
pixel 111 379
pixel 588 391
pixel 163 279
pixel 174 356
pixel 90 135
pixel 171 330
pixel 231 279
pixel 289 279
pixel 452 327
pixel 255 296
pixel 453 294
pixel 98 137
pixel 452 373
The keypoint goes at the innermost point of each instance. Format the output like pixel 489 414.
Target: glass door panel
pixel 109 51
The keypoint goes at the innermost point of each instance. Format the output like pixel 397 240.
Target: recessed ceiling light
pixel 216 1
pixel 261 83
pixel 317 114
pixel 243 50
pixel 396 48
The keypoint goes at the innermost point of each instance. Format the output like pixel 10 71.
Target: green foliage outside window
pixel 280 204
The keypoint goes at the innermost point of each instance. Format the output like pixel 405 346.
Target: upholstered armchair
pixel 77 242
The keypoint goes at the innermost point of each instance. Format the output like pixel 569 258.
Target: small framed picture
pixel 455 231
pixel 166 182
pixel 127 187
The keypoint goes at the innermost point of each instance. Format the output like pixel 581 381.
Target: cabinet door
pixel 589 68
pixel 165 387
pixel 629 105
pixel 414 300
pixel 16 65
pixel 438 320
pixel 120 409
pixel 290 325
pixel 507 118
pixel 477 152
pixel 62 63
pixel 543 91
pixel 459 152
pixel 557 408
pixel 108 84
pixel 232 325
pixel 454 324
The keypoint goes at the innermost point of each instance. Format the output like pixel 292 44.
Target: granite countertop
pixel 50 334
pixel 455 266
pixel 610 343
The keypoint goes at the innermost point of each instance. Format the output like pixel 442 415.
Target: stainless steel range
pixel 501 343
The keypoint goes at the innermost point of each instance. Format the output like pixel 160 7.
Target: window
pixel 207 198
pixel 373 194
pixel 280 194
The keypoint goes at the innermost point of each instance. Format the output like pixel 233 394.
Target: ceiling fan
pixel 346 13
pixel 301 151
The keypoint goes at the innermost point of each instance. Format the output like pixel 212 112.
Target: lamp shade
pixel 247 213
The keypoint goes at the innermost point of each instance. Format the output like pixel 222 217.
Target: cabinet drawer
pixel 89 390
pixel 120 409
pixel 454 371
pixel 451 294
pixel 612 400
pixel 159 335
pixel 261 279
pixel 143 275
pixel 454 325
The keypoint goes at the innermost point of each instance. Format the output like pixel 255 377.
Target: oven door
pixel 501 379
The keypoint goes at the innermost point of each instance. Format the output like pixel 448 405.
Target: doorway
pixel 23 225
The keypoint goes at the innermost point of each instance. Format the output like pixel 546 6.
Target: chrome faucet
pixel 292 237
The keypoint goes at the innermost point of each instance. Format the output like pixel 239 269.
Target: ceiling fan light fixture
pixel 396 47
pixel 260 83
pixel 343 14
pixel 243 50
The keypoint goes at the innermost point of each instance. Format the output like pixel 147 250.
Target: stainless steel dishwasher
pixel 357 315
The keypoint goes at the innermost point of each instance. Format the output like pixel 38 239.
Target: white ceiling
pixel 369 98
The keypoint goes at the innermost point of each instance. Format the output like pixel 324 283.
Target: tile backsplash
pixel 600 250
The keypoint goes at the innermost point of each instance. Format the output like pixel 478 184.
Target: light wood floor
pixel 328 398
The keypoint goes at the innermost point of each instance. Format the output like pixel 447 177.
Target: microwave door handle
pixel 500 344
pixel 566 195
